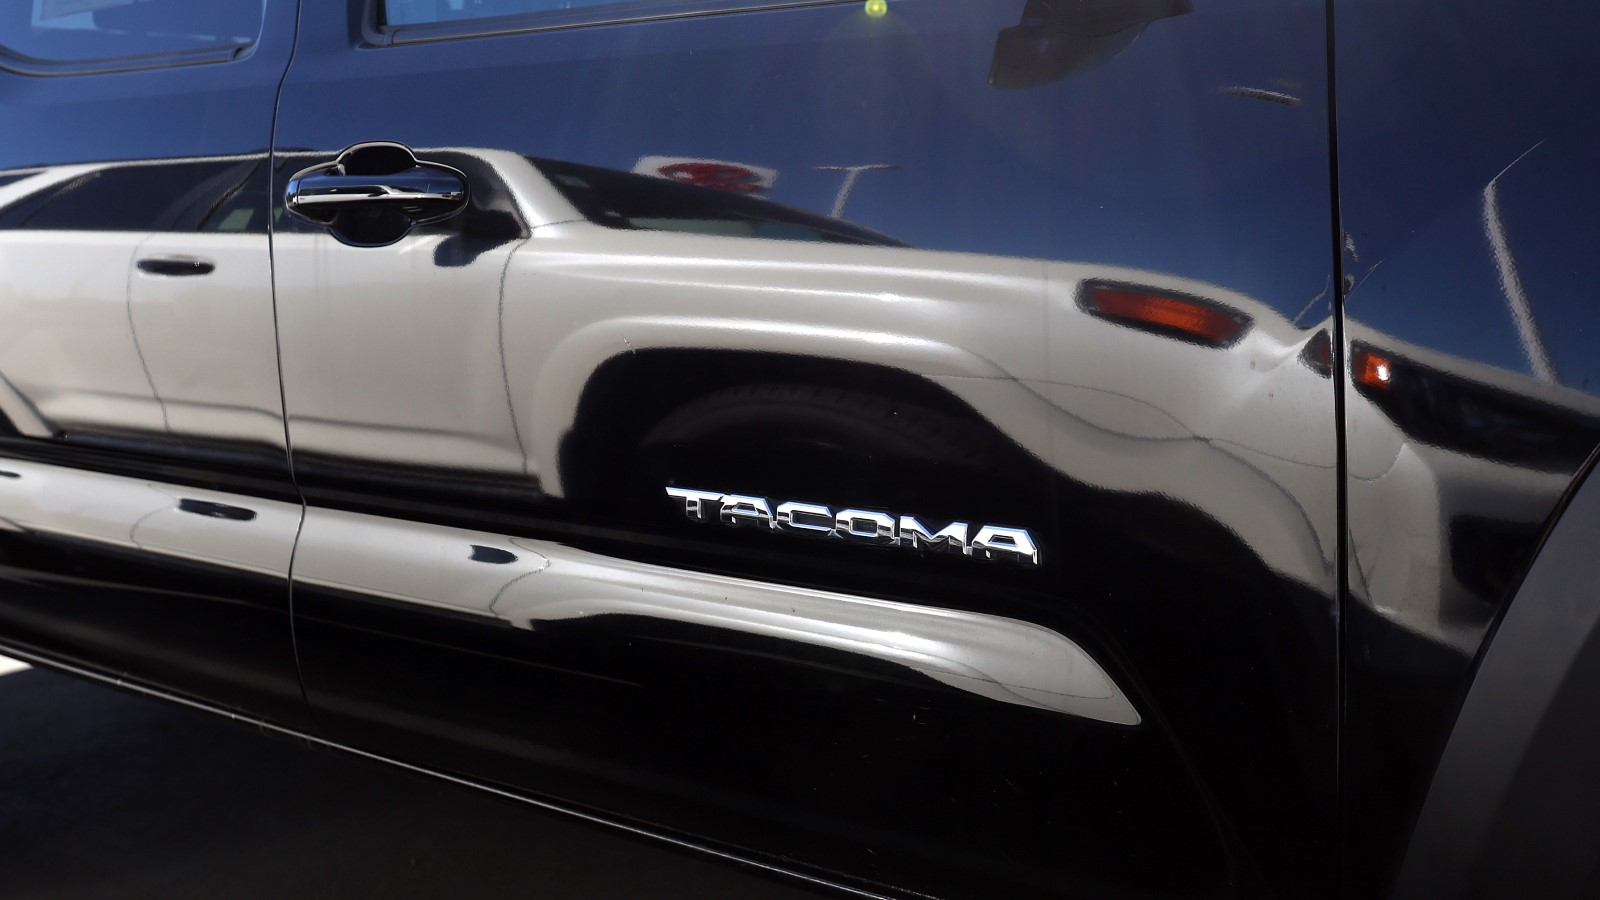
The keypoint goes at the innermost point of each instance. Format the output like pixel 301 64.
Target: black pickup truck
pixel 931 448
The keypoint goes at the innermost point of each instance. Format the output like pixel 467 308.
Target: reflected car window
pixel 624 200
pixel 59 31
pixel 245 204
pixel 217 195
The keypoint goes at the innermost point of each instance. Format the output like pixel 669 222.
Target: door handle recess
pixel 176 266
pixel 215 510
pixel 372 193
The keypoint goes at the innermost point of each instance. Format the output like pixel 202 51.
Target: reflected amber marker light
pixel 1176 316
pixel 1372 370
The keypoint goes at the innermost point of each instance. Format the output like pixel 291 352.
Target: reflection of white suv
pixel 1480 459
pixel 161 333
pixel 615 264
pixel 1040 550
pixel 524 322
pixel 524 318
pixel 173 323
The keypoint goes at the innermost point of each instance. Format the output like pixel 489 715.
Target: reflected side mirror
pixel 1058 38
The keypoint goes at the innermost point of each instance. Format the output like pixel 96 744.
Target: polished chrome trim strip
pixel 45 662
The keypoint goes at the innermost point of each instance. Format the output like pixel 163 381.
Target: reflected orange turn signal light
pixel 1371 370
pixel 1175 316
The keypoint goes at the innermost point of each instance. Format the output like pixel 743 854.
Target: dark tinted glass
pixel 65 31
pixel 245 204
pixel 175 196
pixel 619 199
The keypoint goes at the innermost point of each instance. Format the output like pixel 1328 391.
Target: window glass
pixel 66 31
pixel 168 196
pixel 423 12
pixel 625 200
pixel 244 206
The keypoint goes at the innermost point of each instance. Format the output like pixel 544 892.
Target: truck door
pixel 893 442
pixel 146 511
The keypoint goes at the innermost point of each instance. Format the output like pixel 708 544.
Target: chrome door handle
pixel 420 194
pixel 373 182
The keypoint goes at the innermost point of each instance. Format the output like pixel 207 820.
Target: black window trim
pixel 376 35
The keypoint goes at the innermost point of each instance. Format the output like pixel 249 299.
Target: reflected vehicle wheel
pixel 825 445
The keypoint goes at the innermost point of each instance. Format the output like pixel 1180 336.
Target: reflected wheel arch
pixel 636 400
pixel 832 446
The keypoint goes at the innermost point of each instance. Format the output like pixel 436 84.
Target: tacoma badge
pixel 857 525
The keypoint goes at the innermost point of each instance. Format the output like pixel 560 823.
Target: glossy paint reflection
pixel 1468 460
pixel 154 518
pixel 640 692
pixel 136 338
pixel 121 349
pixel 1471 398
pixel 1001 659
pixel 175 587
pixel 163 335
pixel 1112 402
pixel 932 282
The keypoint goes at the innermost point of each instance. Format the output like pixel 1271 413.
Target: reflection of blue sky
pixel 1440 286
pixel 1457 309
pixel 1431 108
pixel 1548 204
pixel 1144 162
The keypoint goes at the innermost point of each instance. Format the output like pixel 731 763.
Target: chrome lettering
pixel 859 526
pixel 865 526
pixel 820 518
pixel 738 509
pixel 951 537
pixel 694 502
pixel 1008 543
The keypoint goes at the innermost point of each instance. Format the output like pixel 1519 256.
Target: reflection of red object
pixel 1178 316
pixel 1372 370
pixel 717 176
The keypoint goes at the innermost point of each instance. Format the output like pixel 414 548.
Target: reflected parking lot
pixel 104 794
